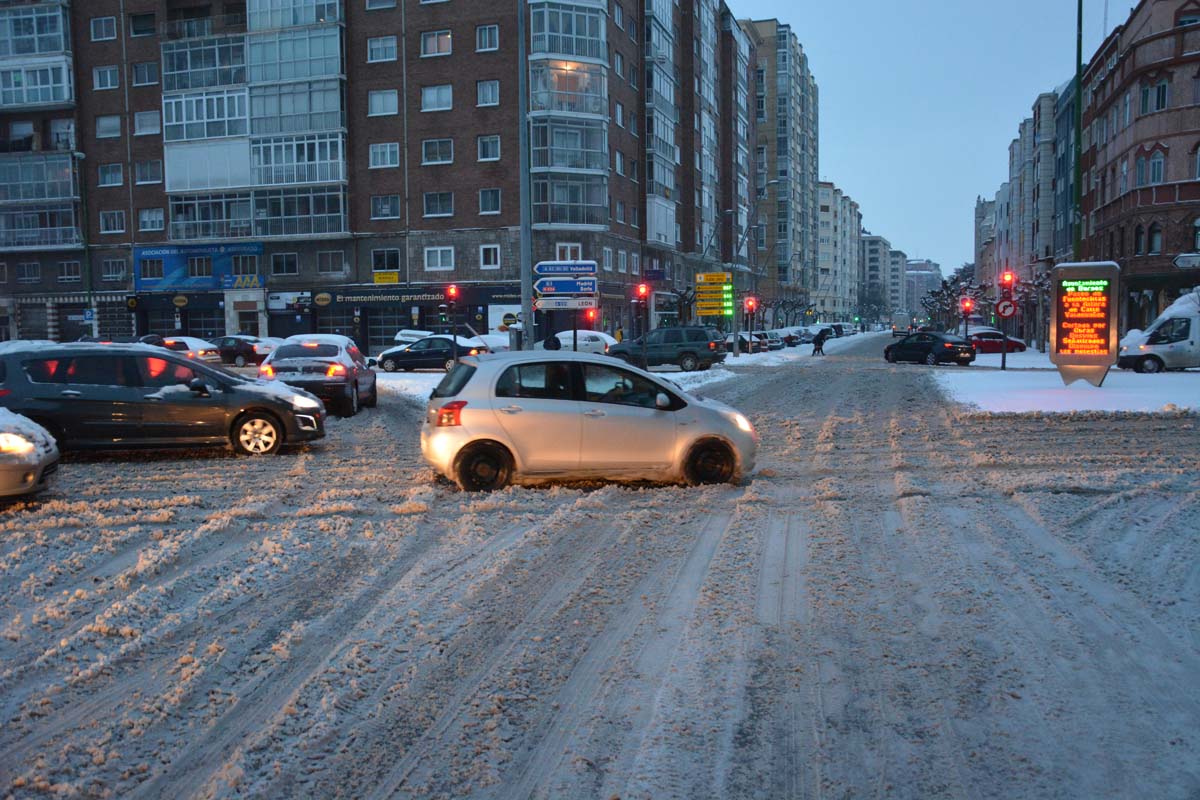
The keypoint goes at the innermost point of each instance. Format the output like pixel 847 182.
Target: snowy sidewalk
pixel 1032 390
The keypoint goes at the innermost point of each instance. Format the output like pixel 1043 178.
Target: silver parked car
pixel 28 454
pixel 525 416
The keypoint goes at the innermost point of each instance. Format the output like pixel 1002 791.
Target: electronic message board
pixel 1083 320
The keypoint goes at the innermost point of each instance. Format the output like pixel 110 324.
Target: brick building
pixel 284 166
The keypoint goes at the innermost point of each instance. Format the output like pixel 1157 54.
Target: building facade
pixel 873 277
pixel 835 295
pixel 897 284
pixel 921 276
pixel 1141 190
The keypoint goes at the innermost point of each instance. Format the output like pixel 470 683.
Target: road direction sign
pixel 560 286
pixel 570 268
pixel 564 303
pixel 1187 260
pixel 1006 308
pixel 654 274
pixel 714 277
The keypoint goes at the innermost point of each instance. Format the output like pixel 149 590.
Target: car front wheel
pixel 449 365
pixel 388 364
pixel 483 468
pixel 239 361
pixel 931 359
pixel 1150 365
pixel 890 356
pixel 257 434
pixel 708 463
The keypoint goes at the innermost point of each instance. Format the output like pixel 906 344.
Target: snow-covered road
pixel 906 600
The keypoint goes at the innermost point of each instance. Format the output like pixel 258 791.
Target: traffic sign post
pixel 566 286
pixel 1006 308
pixel 564 303
pixel 714 294
pixel 551 268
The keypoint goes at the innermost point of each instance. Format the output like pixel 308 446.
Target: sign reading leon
pixel 1083 320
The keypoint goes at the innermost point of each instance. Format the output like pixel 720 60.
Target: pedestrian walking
pixel 620 334
pixel 819 343
pixel 552 342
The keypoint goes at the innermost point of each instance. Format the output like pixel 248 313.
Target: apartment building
pixel 835 294
pixel 921 276
pixel 1063 244
pixel 874 263
pixel 785 158
pixel 897 293
pixel 1141 171
pixel 285 166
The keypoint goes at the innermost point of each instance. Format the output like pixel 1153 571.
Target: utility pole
pixel 1077 213
pixel 526 244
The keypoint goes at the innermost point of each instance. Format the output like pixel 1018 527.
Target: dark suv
pixel 691 347
pixel 132 395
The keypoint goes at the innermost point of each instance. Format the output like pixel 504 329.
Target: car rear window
pixel 306 351
pixel 698 335
pixel 454 381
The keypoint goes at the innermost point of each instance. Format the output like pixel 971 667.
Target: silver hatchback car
pixel 530 416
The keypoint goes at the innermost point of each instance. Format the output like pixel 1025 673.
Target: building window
pixel 199 266
pixel 439 204
pixel 331 262
pixel 152 268
pixel 29 272
pixel 1124 176
pixel 69 272
pixel 150 219
pixel 1155 243
pixel 489 201
pixel 385 206
pixel 145 73
pixel 1139 240
pixel 1139 172
pixel 148 172
pixel 245 265
pixel 606 259
pixel 385 155
pixel 108 127
pixel 435 43
pixel 619 116
pixel 619 64
pixel 487 38
pixel 112 221
pixel 381 48
pixel 146 123
pixel 568 251
pixel 111 174
pixel 387 260
pixel 437 151
pixel 489 256
pixel 294 54
pixel 437 98
pixel 635 263
pixel 1196 235
pixel 141 25
pixel 1157 168
pixel 487 93
pixel 489 147
pixel 619 162
pixel 3 272
pixel 382 103
pixel 621 211
pixel 374 4
pixel 104 28
pixel 106 78
pixel 285 264
pixel 113 269
pixel 622 262
pixel 203 115
pixel 439 258
pixel 1161 93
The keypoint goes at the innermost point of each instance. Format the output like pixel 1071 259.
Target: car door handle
pixel 595 412
pixel 512 409
pixel 70 393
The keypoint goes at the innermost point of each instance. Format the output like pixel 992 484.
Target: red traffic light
pixel 643 291
pixel 590 315
pixel 1007 278
pixel 966 304
pixel 452 292
pixel 751 303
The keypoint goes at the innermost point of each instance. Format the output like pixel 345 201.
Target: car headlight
pixel 742 423
pixel 302 403
pixel 15 444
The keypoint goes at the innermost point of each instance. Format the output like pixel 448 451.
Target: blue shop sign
pixel 175 271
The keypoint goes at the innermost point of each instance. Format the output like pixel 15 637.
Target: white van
pixel 1171 342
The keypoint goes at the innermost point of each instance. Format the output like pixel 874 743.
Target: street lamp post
pixel 526 235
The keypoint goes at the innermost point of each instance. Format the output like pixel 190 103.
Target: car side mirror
pixel 198 386
pixel 372 362
pixel 662 401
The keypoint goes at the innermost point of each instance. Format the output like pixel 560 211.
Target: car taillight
pixel 191 354
pixel 947 345
pixel 712 345
pixel 266 371
pixel 450 415
pixel 335 371
pixel 473 352
pixel 5 392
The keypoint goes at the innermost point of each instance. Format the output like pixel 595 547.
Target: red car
pixel 990 342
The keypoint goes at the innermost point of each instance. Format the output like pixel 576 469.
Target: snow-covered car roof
pixel 321 338
pixel 192 342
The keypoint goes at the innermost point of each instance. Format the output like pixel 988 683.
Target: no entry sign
pixel 1006 308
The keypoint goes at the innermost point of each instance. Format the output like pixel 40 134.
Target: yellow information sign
pixel 387 277
pixel 714 277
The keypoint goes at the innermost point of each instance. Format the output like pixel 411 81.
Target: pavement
pixel 907 599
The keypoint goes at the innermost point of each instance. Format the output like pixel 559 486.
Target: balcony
pixel 33 177
pixel 284 174
pixel 202 27
pixel 33 238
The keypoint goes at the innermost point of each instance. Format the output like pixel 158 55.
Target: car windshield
pixel 306 351
pixel 954 339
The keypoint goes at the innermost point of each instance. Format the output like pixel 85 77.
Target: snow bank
pixel 1042 390
pixel 412 386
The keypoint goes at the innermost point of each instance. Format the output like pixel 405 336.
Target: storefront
pixel 204 291
pixel 373 315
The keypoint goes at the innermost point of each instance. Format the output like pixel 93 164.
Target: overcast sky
pixel 920 98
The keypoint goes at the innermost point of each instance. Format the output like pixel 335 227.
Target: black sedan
pixel 332 368
pixel 432 352
pixel 931 347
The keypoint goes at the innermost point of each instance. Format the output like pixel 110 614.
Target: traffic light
pixel 452 292
pixel 751 304
pixel 642 292
pixel 590 315
pixel 442 313
pixel 1008 280
pixel 967 305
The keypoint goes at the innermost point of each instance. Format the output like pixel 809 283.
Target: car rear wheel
pixel 708 463
pixel 350 404
pixel 931 359
pixel 483 468
pixel 239 360
pixel 688 362
pixel 388 364
pixel 449 365
pixel 257 434
pixel 1150 365
pixel 373 398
